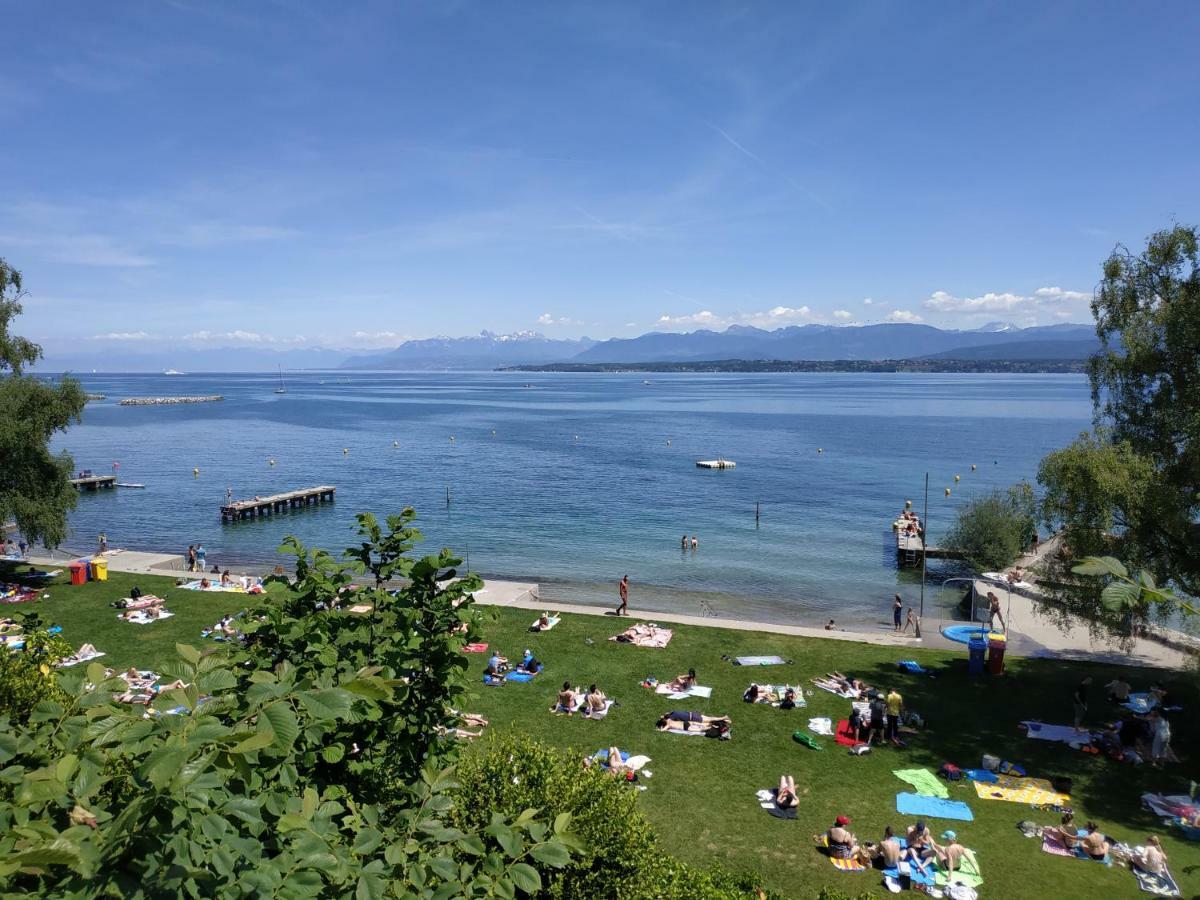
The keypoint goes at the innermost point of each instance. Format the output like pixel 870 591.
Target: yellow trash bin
pixel 100 570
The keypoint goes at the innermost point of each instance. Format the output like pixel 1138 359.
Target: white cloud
pixel 631 324
pixel 902 315
pixel 241 337
pixel 374 339
pixel 777 317
pixel 703 319
pixel 559 322
pixel 1054 302
pixel 867 301
pixel 124 336
pixel 842 314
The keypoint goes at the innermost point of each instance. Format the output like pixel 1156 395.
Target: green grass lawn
pixel 701 794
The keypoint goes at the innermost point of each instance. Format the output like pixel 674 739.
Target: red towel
pixel 475 648
pixel 843 735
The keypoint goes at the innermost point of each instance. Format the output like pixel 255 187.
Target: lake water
pixel 577 479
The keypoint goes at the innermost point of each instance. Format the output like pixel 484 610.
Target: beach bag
pixel 950 772
pixel 991 763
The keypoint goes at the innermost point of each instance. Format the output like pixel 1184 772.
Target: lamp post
pixel 924 542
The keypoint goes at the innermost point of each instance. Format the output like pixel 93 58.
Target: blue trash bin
pixel 976 648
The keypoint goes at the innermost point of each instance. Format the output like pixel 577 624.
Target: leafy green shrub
pixel 619 855
pixel 23 685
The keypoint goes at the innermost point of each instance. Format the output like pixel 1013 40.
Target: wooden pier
pixel 266 506
pixel 910 549
pixel 94 482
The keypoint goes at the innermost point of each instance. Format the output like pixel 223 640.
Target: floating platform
pixel 168 401
pixel 715 464
pixel 266 506
pixel 94 482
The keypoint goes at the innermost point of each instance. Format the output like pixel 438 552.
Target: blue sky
pixel 295 175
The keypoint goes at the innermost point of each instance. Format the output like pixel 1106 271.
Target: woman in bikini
pixel 684 682
pixel 686 719
pixel 566 699
pixel 786 796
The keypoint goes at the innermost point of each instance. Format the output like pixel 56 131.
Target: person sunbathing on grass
pixel 683 682
pixel 594 700
pixel 566 700
pixel 842 844
pixel 786 796
pixel 470 718
pixel 1095 845
pixel 950 856
pixel 888 850
pixel 686 720
pixel 1153 859
pixel 1065 832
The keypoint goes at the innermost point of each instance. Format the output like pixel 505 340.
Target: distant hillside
pixel 1058 350
pixel 820 342
pixel 828 365
pixel 485 351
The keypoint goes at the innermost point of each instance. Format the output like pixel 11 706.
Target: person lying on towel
pixel 689 720
pixel 786 796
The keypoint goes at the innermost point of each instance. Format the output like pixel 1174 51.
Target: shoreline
pixel 1032 639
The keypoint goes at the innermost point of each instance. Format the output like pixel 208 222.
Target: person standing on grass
pixel 895 706
pixel 623 590
pixel 897 608
pixel 1081 702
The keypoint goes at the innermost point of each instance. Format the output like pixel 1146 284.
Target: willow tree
pixel 35 488
pixel 1131 489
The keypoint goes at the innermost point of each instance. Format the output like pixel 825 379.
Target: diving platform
pixel 89 482
pixel 715 464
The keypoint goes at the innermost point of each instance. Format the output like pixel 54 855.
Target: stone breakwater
pixel 167 401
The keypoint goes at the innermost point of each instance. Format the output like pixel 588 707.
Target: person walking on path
pixel 994 612
pixel 1081 702
pixel 915 621
pixel 623 589
pixel 897 608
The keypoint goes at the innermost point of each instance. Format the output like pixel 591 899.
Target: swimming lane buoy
pixel 957 478
pixel 345 451
pixel 395 443
pixel 972 467
pixel 196 472
pixel 820 449
pixel 271 462
pixel 947 492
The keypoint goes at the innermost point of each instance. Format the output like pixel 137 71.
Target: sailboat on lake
pixel 281 389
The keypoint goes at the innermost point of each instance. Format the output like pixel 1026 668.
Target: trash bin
pixel 78 572
pixel 995 660
pixel 99 570
pixel 975 650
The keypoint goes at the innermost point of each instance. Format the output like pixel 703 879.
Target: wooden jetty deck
pixel 265 506
pixel 910 548
pixel 94 482
pixel 716 464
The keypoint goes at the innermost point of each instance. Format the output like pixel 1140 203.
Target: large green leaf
pixel 164 764
pixel 552 854
pixel 1120 596
pixel 326 704
pixel 526 878
pixel 283 722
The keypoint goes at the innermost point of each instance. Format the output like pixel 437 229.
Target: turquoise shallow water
pixel 578 485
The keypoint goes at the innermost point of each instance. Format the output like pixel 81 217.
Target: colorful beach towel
pixel 1160 885
pixel 475 648
pixel 214 587
pixel 844 865
pixel 1171 806
pixel 967 872
pixel 843 735
pixel 1036 791
pixel 925 782
pixel 933 807
pixel 551 622
pixel 760 661
pixel 834 689
pixel 1052 845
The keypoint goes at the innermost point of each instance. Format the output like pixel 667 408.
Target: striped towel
pixel 845 865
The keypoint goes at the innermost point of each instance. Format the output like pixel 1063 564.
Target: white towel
pixel 821 725
pixel 696 690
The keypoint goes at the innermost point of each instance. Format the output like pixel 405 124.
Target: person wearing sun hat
pixel 951 854
pixel 843 844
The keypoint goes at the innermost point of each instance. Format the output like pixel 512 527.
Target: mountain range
pixel 485 351
pixel 996 340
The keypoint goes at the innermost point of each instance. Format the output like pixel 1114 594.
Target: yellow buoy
pixel 957 478
pixel 947 492
pixel 196 471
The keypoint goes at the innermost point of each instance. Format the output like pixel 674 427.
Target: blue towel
pixel 933 807
pixel 913 667
pixel 493 680
pixel 603 754
pixel 984 776
pixel 519 676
